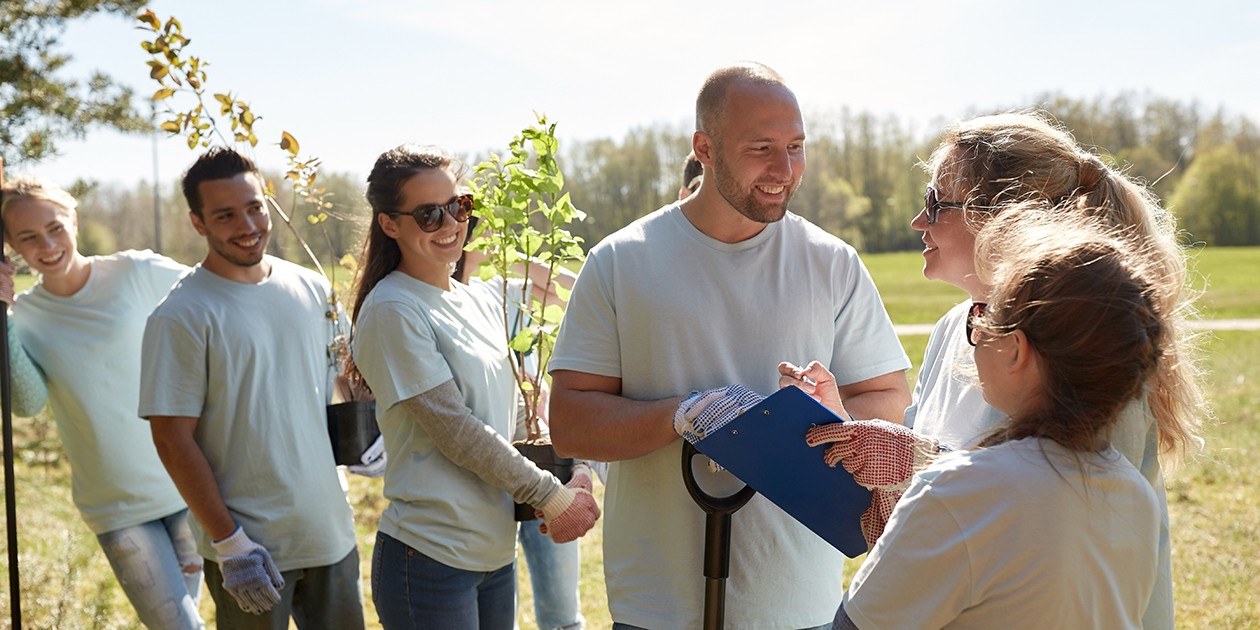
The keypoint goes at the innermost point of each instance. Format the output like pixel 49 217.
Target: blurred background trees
pixel 864 180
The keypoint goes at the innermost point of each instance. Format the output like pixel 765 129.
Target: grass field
pixel 1213 500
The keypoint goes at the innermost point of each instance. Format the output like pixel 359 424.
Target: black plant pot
pixel 543 456
pixel 352 429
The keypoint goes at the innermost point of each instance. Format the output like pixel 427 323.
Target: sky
pixel 351 79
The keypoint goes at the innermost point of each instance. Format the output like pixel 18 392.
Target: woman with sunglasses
pixel 81 325
pixel 983 167
pixel 433 352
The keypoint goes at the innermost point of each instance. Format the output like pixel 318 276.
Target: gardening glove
pixel 248 572
pixel 882 456
pixel 373 460
pixel 702 413
pixel 572 511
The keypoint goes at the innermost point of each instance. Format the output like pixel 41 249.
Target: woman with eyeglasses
pixel 982 168
pixel 1042 522
pixel 433 352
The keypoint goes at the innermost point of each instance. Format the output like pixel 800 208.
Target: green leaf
pixel 527 386
pixel 553 313
pixel 524 340
pixel 562 292
pixel 288 142
pixel 159 71
pixel 311 219
pixel 487 272
pixel 349 262
pixel 226 99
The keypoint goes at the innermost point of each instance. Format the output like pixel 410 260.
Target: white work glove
pixel 572 511
pixel 248 572
pixel 702 413
pixel 373 460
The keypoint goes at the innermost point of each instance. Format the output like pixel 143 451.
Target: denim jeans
pixel 553 572
pixel 318 598
pixel 413 591
pixel 148 560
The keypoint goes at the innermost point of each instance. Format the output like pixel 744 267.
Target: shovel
pixel 6 409
pixel 717 539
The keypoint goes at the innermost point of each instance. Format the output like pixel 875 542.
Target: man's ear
pixel 703 146
pixel 387 225
pixel 197 222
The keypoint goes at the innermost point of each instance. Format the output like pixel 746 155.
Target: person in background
pixel 74 341
pixel 693 174
pixel 434 353
pixel 706 292
pixel 235 379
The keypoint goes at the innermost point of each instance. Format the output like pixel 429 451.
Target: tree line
pixel 863 182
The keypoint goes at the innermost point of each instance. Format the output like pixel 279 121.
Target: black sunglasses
pixel 977 310
pixel 932 204
pixel 430 216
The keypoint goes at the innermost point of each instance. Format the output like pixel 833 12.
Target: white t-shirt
pixel 669 310
pixel 1004 538
pixel 411 337
pixel 88 347
pixel 250 361
pixel 949 406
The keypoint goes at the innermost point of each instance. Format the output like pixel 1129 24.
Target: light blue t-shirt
pixel 949 405
pixel 411 337
pixel 88 347
pixel 251 362
pixel 669 310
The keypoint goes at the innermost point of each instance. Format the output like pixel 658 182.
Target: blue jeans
pixel 413 591
pixel 329 597
pixel 148 560
pixel 553 572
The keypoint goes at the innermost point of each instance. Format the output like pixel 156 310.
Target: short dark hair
pixel 217 163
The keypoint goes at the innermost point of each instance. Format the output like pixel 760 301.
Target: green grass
pixel 1214 506
pixel 1231 276
pixel 909 297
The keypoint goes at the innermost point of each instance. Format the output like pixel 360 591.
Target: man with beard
pixel 714 290
pixel 234 380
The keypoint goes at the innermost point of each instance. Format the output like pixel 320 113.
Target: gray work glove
pixel 373 460
pixel 248 572
pixel 702 413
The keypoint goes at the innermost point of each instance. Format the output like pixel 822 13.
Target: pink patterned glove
pixel 882 456
pixel 572 511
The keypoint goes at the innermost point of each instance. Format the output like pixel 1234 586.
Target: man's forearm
pixel 590 422
pixel 190 471
pixel 886 404
pixel 884 397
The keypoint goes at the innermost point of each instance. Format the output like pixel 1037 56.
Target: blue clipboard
pixel 765 448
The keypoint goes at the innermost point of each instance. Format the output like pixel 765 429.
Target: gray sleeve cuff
pixel 477 448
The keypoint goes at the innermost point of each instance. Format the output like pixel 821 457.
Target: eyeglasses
pixel 977 310
pixel 933 205
pixel 431 216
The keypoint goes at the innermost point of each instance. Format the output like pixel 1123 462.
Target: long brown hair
pixel 381 254
pixel 1087 303
pixel 1009 158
